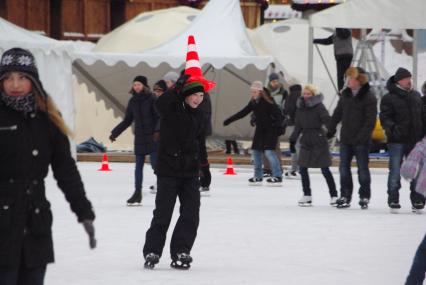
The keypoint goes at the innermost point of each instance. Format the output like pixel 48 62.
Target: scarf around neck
pixel 25 104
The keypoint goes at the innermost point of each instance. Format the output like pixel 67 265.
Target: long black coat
pixel 401 114
pixel 311 115
pixel 140 110
pixel 206 108
pixel 268 118
pixel 28 145
pixel 182 140
pixel 358 115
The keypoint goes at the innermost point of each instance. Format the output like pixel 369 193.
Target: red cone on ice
pixel 105 166
pixel 230 168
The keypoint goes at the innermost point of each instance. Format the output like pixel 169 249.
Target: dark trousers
pixel 418 268
pixel 306 184
pixel 233 143
pixel 22 276
pixel 347 152
pixel 140 161
pixel 185 231
pixel 342 64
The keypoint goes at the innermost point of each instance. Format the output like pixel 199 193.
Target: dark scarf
pixel 25 104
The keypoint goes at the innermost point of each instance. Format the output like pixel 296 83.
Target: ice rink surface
pixel 247 235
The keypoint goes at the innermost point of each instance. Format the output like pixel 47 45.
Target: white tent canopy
pixel 225 51
pixel 366 14
pixel 53 62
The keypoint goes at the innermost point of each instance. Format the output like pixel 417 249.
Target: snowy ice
pixel 247 235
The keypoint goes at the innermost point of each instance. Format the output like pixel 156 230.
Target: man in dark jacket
pixel 141 111
pixel 343 51
pixel 357 111
pixel 401 116
pixel 181 148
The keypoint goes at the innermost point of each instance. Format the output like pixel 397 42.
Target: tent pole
pixel 415 58
pixel 311 55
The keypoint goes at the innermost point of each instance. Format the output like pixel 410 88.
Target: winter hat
pixel 256 85
pixel 142 79
pixel 161 84
pixel 171 75
pixel 21 60
pixel 192 87
pixel 273 76
pixel 311 88
pixel 358 73
pixel 401 73
pixel 193 67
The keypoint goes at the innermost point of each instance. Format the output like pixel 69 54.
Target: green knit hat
pixel 191 88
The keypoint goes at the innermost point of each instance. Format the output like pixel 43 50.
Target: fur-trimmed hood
pixel 311 102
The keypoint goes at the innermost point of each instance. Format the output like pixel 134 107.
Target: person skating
pixel 402 119
pixel 33 137
pixel 181 149
pixel 311 116
pixel 357 111
pixel 268 121
pixel 140 111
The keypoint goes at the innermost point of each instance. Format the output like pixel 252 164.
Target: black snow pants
pixel 185 231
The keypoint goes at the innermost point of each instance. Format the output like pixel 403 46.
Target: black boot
pixel 136 199
pixel 181 261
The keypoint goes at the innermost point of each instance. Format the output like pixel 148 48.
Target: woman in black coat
pixel 33 137
pixel 268 124
pixel 311 116
pixel 141 111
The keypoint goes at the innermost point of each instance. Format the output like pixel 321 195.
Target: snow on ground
pixel 247 235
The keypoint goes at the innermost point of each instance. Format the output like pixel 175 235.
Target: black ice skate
pixel 255 181
pixel 181 261
pixel 267 173
pixel 135 200
pixel 274 181
pixel 151 259
pixel 363 202
pixel 417 207
pixel 394 207
pixel 205 191
pixel 343 203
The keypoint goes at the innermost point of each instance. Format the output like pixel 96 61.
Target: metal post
pixel 415 58
pixel 311 55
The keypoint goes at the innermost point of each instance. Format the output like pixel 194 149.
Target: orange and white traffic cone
pixel 105 166
pixel 230 168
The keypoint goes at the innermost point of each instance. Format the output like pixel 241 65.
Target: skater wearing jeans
pixel 357 110
pixel 401 116
pixel 268 120
pixel 311 116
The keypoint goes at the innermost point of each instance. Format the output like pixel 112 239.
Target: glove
pixel 156 137
pixel 292 147
pixel 90 230
pixel 112 138
pixel 181 82
pixel 253 121
pixel 226 122
pixel 205 175
pixel 329 135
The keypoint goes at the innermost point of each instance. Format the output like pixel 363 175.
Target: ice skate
pixel 267 173
pixel 305 201
pixel 343 203
pixel 274 181
pixel 255 181
pixel 394 207
pixel 151 259
pixel 417 207
pixel 153 189
pixel 291 174
pixel 363 203
pixel 181 261
pixel 135 200
pixel 333 201
pixel 205 191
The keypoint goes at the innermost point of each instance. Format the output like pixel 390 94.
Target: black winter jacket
pixel 268 118
pixel 291 102
pixel 182 140
pixel 358 115
pixel 206 108
pixel 401 114
pixel 311 116
pixel 140 110
pixel 28 145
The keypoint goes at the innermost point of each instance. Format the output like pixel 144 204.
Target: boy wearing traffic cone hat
pixel 181 148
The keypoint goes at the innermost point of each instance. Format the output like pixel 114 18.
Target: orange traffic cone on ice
pixel 105 166
pixel 230 168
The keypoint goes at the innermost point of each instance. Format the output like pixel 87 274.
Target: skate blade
pixel 417 211
pixel 274 184
pixel 204 194
pixel 394 211
pixel 364 207
pixel 134 204
pixel 333 205
pixel 305 205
